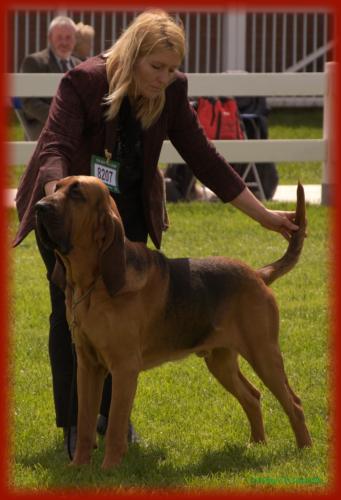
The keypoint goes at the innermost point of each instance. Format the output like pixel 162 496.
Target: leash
pixel 73 327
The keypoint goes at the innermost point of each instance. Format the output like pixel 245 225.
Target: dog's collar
pixel 84 296
pixel 74 304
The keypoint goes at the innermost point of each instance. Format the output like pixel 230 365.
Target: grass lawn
pixel 195 436
pixel 297 123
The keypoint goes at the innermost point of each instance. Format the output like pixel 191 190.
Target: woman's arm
pixel 62 137
pixel 275 220
pixel 213 170
pixel 200 154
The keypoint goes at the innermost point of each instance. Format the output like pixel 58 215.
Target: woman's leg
pixel 60 349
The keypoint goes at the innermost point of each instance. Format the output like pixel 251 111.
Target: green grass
pixel 283 124
pixel 195 436
pixel 299 123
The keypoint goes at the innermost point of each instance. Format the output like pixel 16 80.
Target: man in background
pixel 56 58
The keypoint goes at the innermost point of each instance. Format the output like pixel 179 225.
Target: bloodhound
pixel 130 309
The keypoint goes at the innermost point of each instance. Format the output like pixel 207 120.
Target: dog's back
pixel 198 289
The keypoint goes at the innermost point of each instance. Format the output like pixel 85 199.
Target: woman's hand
pixel 280 221
pixel 275 220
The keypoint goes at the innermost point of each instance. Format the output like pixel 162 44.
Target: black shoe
pixel 70 439
pixel 102 424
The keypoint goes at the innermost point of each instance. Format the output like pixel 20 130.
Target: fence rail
pixel 226 84
pixel 199 84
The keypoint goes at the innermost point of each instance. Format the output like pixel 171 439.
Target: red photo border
pixel 334 490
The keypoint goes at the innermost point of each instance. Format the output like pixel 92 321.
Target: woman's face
pixel 155 71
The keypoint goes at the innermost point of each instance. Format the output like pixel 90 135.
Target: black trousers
pixel 60 345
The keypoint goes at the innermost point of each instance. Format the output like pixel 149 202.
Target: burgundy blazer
pixel 75 129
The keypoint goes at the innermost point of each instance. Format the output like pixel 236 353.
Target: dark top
pixel 75 129
pixel 128 150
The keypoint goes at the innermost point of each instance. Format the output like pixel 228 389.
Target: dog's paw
pixel 109 464
pixel 80 460
pixel 256 442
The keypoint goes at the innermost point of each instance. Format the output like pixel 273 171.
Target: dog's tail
pixel 282 266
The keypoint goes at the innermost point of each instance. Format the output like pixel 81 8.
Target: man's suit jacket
pixel 76 128
pixel 36 109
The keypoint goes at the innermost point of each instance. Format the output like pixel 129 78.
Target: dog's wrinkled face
pixel 70 216
pixel 81 219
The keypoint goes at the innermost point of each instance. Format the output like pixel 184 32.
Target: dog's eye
pixel 75 192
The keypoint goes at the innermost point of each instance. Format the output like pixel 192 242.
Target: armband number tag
pixel 106 171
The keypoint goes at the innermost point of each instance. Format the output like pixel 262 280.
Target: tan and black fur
pixel 130 309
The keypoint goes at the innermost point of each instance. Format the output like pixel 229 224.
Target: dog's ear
pixel 113 259
pixel 58 276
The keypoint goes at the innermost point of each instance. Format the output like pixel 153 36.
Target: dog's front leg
pixel 124 383
pixel 90 379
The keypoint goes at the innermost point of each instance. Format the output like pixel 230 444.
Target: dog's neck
pixel 81 270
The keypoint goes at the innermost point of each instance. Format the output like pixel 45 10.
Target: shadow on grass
pixel 146 467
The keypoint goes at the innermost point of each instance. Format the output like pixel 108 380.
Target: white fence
pixel 233 84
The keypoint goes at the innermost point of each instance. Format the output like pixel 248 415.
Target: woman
pixel 120 106
pixel 85 35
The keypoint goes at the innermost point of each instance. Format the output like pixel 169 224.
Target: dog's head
pixel 81 216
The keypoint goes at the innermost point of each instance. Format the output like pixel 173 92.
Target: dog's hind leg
pixel 268 364
pixel 223 364
pixel 295 397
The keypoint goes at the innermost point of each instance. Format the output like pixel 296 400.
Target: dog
pixel 130 309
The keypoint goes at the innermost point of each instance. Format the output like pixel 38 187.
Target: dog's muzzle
pixel 49 227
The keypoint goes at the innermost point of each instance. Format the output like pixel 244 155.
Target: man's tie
pixel 63 63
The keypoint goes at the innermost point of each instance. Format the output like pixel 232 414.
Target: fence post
pixel 328 172
pixel 234 40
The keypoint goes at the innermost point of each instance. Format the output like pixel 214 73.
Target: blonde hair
pixel 84 30
pixel 84 38
pixel 152 30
